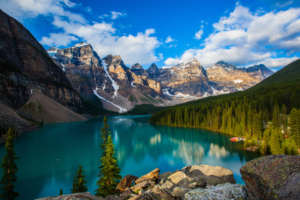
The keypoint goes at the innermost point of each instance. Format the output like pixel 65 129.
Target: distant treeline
pixel 268 114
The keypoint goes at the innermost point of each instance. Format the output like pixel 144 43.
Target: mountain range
pixel 58 85
pixel 120 88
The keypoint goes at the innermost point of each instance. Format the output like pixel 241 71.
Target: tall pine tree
pixel 109 174
pixel 9 168
pixel 79 182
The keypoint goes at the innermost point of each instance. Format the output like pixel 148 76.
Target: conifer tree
pixel 9 168
pixel 79 182
pixel 109 171
pixel 104 135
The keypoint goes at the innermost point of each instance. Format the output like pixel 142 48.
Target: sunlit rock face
pixel 120 85
pixel 235 78
pixel 83 67
pixel 112 82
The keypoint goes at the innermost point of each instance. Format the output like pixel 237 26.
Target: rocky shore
pixel 268 177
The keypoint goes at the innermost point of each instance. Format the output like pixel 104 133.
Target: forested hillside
pixel 268 114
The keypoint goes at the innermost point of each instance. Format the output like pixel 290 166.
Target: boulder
pixel 209 175
pixel 151 176
pixel 163 177
pixel 179 178
pixel 180 192
pixel 167 185
pixel 157 193
pixel 125 183
pixel 272 177
pixel 219 192
pixel 76 196
pixel 138 188
pixel 127 192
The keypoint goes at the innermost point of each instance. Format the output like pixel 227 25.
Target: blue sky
pixel 169 32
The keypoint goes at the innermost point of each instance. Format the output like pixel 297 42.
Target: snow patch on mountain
pixel 178 95
pixel 238 81
pixel 63 67
pixel 114 84
pixel 121 110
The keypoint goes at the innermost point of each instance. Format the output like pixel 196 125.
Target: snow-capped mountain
pixel 108 79
pixel 120 87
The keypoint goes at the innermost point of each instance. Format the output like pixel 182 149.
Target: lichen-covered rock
pixel 180 192
pixel 126 182
pixel 157 193
pixel 273 177
pixel 219 192
pixel 76 196
pixel 209 175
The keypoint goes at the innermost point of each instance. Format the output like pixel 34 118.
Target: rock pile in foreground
pixel 268 177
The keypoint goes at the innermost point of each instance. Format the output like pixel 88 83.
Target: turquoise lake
pixel 49 157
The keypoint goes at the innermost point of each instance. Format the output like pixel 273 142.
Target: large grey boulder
pixel 206 175
pixel 219 192
pixel 273 177
pixel 76 196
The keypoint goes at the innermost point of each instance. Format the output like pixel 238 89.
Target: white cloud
pixel 132 48
pixel 150 31
pixel 244 38
pixel 160 56
pixel 278 62
pixel 23 9
pixel 69 3
pixel 58 39
pixel 284 4
pixel 115 15
pixel 169 39
pixel 103 16
pixel 198 35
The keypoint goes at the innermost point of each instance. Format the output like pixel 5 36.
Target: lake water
pixel 50 157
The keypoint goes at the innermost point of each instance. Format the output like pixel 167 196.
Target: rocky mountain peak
pixel 153 71
pixel 260 70
pixel 136 66
pixel 138 70
pixel 194 61
pixel 224 64
pixel 114 60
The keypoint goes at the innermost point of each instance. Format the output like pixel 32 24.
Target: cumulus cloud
pixel 23 9
pixel 115 15
pixel 245 38
pixel 132 48
pixel 169 39
pixel 58 39
pixel 198 35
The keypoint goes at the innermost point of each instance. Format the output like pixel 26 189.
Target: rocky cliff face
pixel 234 79
pixel 83 68
pixel 25 65
pixel 138 70
pixel 113 82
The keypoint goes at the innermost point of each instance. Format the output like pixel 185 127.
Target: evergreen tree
pixel 79 182
pixel 9 169
pixel 109 171
pixel 104 135
pixel 294 123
